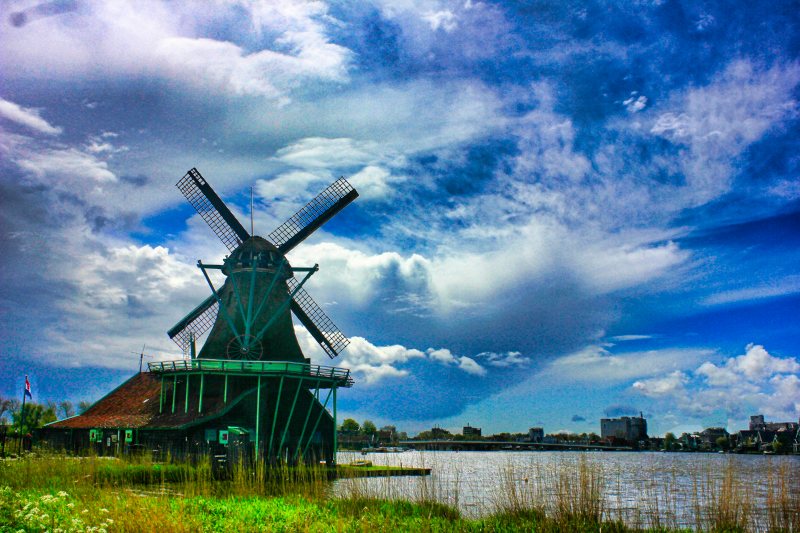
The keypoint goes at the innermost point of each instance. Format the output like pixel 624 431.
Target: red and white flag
pixel 28 388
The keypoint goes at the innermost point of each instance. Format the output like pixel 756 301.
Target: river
pixel 640 488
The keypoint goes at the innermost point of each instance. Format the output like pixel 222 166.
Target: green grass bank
pixel 59 493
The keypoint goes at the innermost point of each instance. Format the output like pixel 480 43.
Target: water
pixel 640 488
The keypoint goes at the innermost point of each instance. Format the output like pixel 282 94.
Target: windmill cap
pixel 267 254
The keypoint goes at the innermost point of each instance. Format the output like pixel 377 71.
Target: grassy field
pixel 58 493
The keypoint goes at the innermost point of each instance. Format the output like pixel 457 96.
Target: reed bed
pixel 573 492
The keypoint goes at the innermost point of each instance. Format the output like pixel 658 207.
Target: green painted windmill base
pixel 249 391
pixel 286 393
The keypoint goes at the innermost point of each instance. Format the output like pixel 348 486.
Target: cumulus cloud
pixel 30 118
pixel 119 297
pixel 318 152
pixel 596 364
pixel 374 182
pixel 172 42
pixel 755 379
pixel 470 366
pixel 672 383
pixel 505 359
pixel 373 364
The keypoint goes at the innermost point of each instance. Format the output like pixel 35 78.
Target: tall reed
pixel 728 500
pixel 783 499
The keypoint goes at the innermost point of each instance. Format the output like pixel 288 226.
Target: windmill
pixel 249 315
pixel 249 393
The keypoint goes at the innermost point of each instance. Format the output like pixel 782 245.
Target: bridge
pixel 492 445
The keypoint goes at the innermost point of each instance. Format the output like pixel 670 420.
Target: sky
pixel 567 211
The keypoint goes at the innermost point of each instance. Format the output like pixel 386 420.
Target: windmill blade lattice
pixel 313 215
pixel 195 323
pixel 316 321
pixel 212 209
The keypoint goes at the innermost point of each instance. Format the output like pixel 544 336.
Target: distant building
pixel 386 435
pixel 709 436
pixel 536 434
pixel 629 428
pixel 757 423
pixel 470 431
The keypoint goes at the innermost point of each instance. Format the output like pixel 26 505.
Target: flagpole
pixel 22 415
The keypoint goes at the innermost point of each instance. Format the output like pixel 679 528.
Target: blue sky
pixel 568 209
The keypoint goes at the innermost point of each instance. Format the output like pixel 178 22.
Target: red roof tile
pixel 135 404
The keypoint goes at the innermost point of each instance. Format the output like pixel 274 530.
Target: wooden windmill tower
pixel 249 389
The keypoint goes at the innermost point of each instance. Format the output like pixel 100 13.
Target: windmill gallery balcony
pixel 327 375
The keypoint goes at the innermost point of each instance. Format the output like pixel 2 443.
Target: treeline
pixel 36 414
pixel 353 435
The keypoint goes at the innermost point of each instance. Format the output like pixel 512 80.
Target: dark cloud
pixel 138 180
pixel 578 418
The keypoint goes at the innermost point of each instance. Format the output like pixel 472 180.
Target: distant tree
pixel 722 443
pixel 777 446
pixel 6 406
pixel 83 405
pixel 402 435
pixel 36 415
pixel 439 434
pixel 368 428
pixel 669 441
pixel 351 426
pixel 66 409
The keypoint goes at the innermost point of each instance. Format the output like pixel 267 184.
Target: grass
pixel 55 492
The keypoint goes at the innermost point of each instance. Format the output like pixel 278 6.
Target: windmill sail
pixel 316 321
pixel 313 215
pixel 212 209
pixel 195 323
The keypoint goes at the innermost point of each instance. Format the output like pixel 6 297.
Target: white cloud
pixel 717 122
pixel 319 152
pixel 68 163
pixel 595 364
pixel 228 68
pixel 471 366
pixel 30 118
pixel 780 287
pixel 374 182
pixel 177 43
pixel 672 383
pixel 372 363
pixel 625 338
pixel 444 19
pixel 294 184
pixel 757 364
pixel 755 380
pixel 354 276
pixel 467 364
pixel 503 360
pixel 121 296
pixel 635 104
